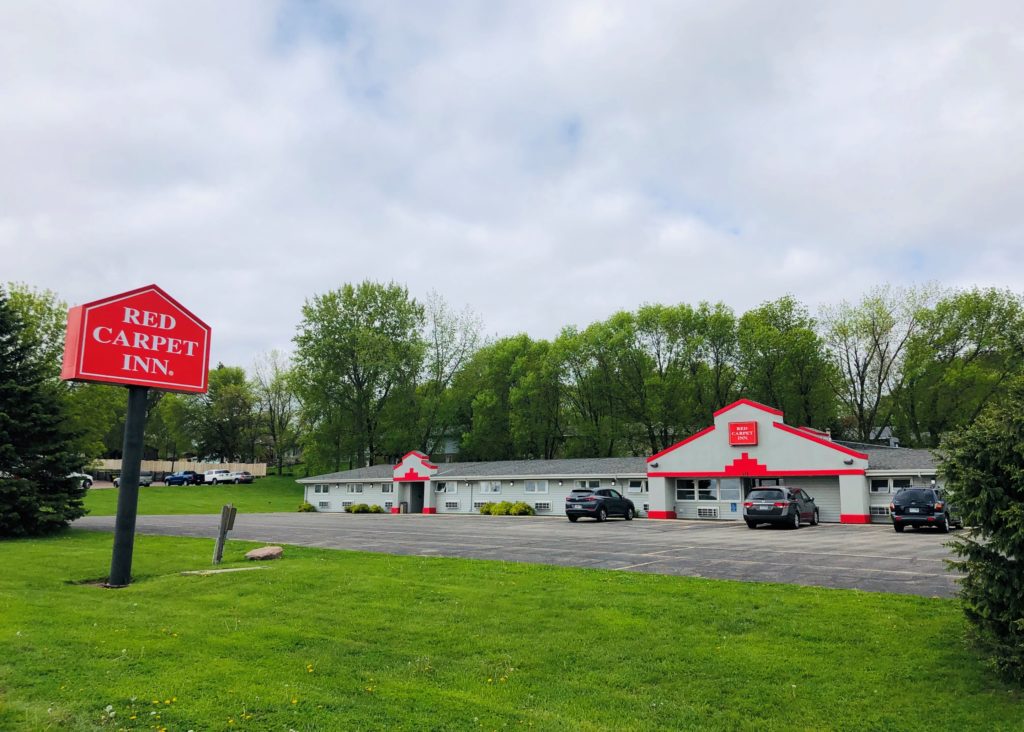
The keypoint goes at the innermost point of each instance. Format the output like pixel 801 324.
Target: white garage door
pixel 824 491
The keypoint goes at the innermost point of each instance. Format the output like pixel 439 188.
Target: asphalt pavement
pixel 872 557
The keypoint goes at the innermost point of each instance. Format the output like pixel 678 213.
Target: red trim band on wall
pixel 661 514
pixel 749 403
pixel 855 518
pixel 818 440
pixel 429 509
pixel 691 438
pixel 762 474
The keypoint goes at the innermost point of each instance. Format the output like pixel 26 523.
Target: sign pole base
pixel 128 488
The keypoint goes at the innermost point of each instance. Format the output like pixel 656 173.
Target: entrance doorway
pixel 416 498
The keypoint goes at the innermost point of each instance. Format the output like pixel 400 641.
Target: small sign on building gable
pixel 743 433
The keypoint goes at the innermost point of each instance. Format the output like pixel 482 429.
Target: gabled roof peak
pixel 748 403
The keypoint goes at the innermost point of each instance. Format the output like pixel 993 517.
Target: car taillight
pixel 781 504
pixel 748 504
pixel 892 508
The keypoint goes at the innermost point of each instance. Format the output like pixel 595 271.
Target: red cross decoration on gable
pixel 745 467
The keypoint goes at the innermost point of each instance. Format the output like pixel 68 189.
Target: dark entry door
pixel 416 498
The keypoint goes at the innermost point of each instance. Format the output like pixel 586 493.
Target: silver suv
pixel 145 479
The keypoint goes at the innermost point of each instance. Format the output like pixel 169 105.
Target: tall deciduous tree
pixel 450 340
pixel 968 347
pixel 273 386
pixel 225 420
pixel 783 362
pixel 868 344
pixel 36 450
pixel 356 347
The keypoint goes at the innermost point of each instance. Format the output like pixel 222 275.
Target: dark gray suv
pixel 782 505
pixel 598 503
pixel 919 507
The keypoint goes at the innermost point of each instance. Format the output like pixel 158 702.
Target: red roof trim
pixel 749 403
pixel 691 438
pixel 423 459
pixel 811 430
pixel 764 474
pixel 812 438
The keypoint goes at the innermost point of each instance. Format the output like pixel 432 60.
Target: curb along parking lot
pixel 872 558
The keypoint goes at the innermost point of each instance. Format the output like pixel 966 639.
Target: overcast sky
pixel 545 163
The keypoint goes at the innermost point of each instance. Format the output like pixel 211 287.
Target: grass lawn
pixel 266 495
pixel 331 640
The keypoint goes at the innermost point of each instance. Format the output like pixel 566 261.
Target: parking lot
pixel 871 557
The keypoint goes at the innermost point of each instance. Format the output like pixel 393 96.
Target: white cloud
pixel 545 163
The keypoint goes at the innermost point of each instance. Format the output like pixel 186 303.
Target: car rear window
pixel 770 495
pixel 583 491
pixel 916 494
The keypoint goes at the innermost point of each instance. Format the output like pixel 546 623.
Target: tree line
pixel 375 373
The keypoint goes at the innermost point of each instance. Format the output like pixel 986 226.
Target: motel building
pixel 705 476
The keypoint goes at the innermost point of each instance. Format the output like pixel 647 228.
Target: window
pixel 879 510
pixel 898 483
pixel 440 487
pixel 636 486
pixel 542 506
pixel 707 490
pixel 536 486
pixel 730 489
pixel 323 504
pixel 588 484
pixel 389 504
pixel 387 487
pixel 321 488
pixel 490 486
pixel 346 504
pixel 879 485
pixel 355 487
pixel 686 490
pixel 478 504
pixel 451 505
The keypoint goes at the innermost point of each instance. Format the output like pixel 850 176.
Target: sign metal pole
pixel 128 488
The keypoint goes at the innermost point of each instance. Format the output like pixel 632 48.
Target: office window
pixel 588 484
pixel 355 487
pixel 898 483
pixel 707 490
pixel 686 490
pixel 490 486
pixel 879 485
pixel 730 489
pixel 387 487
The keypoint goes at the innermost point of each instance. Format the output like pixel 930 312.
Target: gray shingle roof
pixel 881 457
pixel 581 467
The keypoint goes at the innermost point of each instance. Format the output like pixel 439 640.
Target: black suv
pixel 779 505
pixel 598 503
pixel 923 507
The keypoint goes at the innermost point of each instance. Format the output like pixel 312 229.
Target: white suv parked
pixel 213 477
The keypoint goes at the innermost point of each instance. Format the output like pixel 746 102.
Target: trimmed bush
pixel 307 507
pixel 376 509
pixel 357 508
pixel 521 509
pixel 487 508
pixel 502 509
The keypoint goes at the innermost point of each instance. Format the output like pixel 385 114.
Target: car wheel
pixel 629 514
pixel 602 514
pixel 796 520
pixel 814 518
pixel 237 481
pixel 87 484
pixel 944 525
pixel 751 525
pixel 572 519
pixel 899 528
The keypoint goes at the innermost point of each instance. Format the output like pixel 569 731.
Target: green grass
pixel 266 495
pixel 331 640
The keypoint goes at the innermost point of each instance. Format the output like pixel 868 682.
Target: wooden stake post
pixel 227 522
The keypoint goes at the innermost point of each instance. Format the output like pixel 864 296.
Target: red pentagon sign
pixel 143 337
